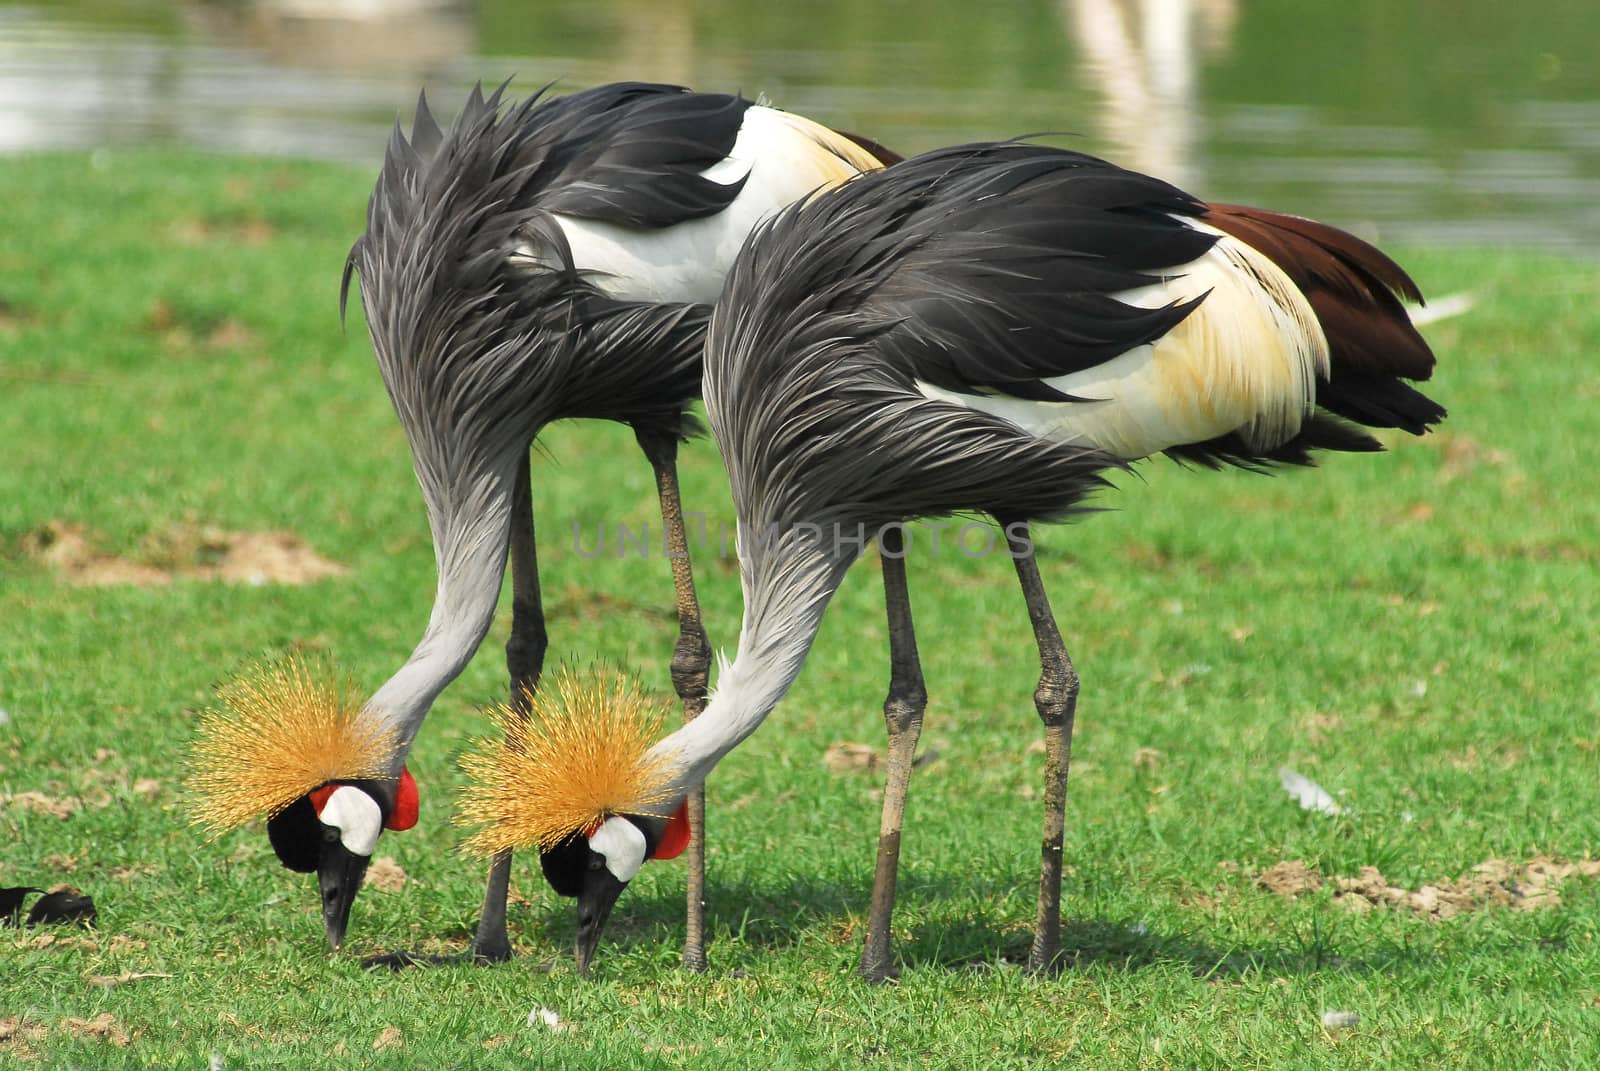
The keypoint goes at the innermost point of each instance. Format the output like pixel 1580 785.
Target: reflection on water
pixel 342 35
pixel 236 79
pixel 1139 59
pixel 1473 122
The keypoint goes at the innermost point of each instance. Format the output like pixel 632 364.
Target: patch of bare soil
pixel 93 788
pixel 386 875
pixel 186 330
pixel 11 317
pixel 1146 759
pixel 40 803
pixel 111 981
pixel 1289 878
pixel 102 1027
pixel 846 756
pixel 18 1036
pixel 14 1028
pixel 1460 454
pixel 1531 886
pixel 186 550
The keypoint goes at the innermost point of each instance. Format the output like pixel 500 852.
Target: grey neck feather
pixel 787 586
pixel 470 535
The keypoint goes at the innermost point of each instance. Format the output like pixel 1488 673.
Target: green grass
pixel 1414 629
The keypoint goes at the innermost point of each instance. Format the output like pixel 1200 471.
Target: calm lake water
pixel 1426 121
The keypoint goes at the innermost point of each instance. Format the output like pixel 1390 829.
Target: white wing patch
pixel 786 157
pixel 1246 360
pixel 357 818
pixel 622 845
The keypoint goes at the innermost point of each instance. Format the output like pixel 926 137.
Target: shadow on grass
pixel 948 931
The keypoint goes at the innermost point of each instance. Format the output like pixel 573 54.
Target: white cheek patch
pixel 622 845
pixel 357 818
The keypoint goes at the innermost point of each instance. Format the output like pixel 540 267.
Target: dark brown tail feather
pixel 1347 259
pixel 885 156
pixel 1355 290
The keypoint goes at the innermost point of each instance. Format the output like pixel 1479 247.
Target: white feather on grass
pixel 1307 793
pixel 1340 1020
pixel 549 1018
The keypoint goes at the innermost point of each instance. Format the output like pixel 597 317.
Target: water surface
pixel 1449 122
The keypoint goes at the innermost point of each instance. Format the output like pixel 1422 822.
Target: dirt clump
pixel 1531 886
pixel 386 875
pixel 40 803
pixel 18 1035
pixel 846 756
pixel 182 551
pixel 1291 877
pixel 102 1027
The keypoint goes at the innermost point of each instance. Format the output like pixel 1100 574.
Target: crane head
pixel 294 746
pixel 575 774
pixel 594 867
pixel 333 830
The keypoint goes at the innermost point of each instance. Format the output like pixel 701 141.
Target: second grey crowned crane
pixel 550 259
pixel 987 328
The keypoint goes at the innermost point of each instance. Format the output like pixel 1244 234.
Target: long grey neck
pixel 470 534
pixel 787 588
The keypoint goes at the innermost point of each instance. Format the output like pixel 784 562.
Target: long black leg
pixel 902 713
pixel 524 662
pixel 691 666
pixel 1056 699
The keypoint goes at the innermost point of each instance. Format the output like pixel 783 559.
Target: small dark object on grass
pixel 11 903
pixel 62 906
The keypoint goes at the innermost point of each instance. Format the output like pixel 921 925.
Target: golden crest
pixel 576 759
pixel 281 731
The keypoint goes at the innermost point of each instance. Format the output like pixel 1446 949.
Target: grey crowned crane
pixel 988 328
pixel 552 259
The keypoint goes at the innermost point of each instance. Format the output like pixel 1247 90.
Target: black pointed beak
pixel 339 875
pixel 600 891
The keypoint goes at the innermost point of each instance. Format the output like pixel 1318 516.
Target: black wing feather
pixel 631 153
pixel 451 316
pixel 1004 276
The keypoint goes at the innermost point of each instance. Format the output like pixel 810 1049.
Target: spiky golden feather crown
pixel 282 730
pixel 579 757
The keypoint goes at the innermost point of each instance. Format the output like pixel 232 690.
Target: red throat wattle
pixel 406 801
pixel 676 838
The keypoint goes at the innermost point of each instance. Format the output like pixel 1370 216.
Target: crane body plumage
pixel 533 266
pixel 549 259
pixel 986 329
pixel 990 328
